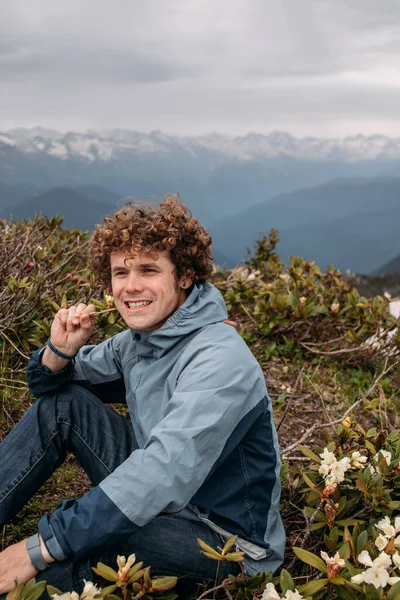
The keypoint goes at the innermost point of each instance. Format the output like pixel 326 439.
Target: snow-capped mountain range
pixel 107 146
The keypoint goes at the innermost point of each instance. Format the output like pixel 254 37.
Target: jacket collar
pixel 204 306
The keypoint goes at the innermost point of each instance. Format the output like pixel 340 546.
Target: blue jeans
pixel 75 420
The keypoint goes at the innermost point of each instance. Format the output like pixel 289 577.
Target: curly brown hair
pixel 143 229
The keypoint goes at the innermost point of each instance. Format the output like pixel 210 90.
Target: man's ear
pixel 186 280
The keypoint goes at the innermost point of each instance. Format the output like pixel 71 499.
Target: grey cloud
pixel 200 64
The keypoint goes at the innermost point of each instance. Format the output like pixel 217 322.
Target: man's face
pixel 146 291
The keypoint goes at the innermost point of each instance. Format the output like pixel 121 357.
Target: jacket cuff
pixel 81 525
pixel 50 540
pixel 41 380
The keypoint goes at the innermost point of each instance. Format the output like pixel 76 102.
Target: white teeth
pixel 138 304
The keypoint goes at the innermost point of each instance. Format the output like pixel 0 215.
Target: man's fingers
pixel 88 317
pixel 71 317
pixel 62 316
pixel 78 312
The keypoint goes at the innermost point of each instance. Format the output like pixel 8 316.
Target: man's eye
pixel 148 270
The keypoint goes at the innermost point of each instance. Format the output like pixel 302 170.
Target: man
pixel 199 458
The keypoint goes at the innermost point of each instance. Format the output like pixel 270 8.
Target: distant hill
pixel 353 224
pixel 78 210
pixel 393 266
pixel 10 194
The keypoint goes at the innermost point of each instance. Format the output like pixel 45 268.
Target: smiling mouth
pixel 138 304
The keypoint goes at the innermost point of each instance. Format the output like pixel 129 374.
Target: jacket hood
pixel 204 306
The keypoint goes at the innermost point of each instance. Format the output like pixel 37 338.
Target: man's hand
pixel 70 330
pixel 15 567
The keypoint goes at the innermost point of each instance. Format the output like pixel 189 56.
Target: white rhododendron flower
pixel 335 561
pixel 383 560
pixel 365 559
pixel 66 596
pixel 381 542
pixel 90 591
pixel 385 526
pixel 376 576
pixel 333 470
pixel 357 460
pixel 324 469
pixel 292 595
pixel 358 579
pixel 337 473
pixel 397 541
pixel 124 566
pixel 345 462
pixel 396 560
pixel 377 573
pixel 387 456
pixel 270 593
pixel 328 457
pixel 397 524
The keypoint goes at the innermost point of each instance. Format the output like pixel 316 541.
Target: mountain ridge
pixel 106 144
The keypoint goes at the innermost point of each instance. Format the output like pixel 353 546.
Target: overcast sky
pixel 310 67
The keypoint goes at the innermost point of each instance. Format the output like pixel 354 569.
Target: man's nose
pixel 134 283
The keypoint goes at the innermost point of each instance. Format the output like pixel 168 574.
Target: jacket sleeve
pixel 219 385
pixel 96 368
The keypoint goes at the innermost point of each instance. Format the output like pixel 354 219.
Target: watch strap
pixel 35 553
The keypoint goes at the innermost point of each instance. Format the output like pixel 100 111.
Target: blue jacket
pixel 202 418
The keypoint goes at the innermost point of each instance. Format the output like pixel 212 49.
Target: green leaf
pixel 53 590
pixel 34 592
pixel 344 550
pixel 374 594
pixel 147 577
pixel 163 584
pixel 229 544
pixel 208 548
pixel 235 556
pixel 106 591
pixel 394 592
pixel 213 556
pixel 344 594
pixel 136 576
pixel 313 587
pixel 309 453
pixel 286 581
pixel 370 447
pixel 361 541
pixel 15 594
pixel 105 572
pixel 348 522
pixel 310 559
pixel 135 568
pixel 360 484
pixel 310 484
pixel 167 596
pixel 316 526
pixel 338 580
